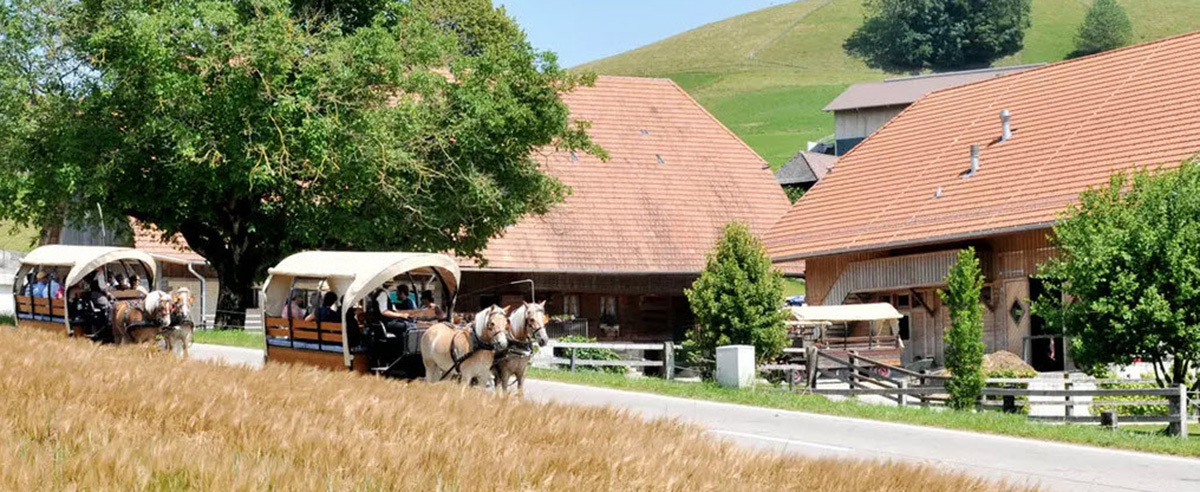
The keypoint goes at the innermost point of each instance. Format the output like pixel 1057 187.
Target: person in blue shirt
pixel 405 300
pixel 41 288
pixel 326 313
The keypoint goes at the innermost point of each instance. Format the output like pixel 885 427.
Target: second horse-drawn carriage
pixel 98 292
pixel 391 314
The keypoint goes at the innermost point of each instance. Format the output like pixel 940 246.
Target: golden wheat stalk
pixel 79 416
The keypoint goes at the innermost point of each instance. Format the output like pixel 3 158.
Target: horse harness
pixel 477 345
pixel 516 347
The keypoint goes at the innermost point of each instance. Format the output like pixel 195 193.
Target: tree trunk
pixel 233 297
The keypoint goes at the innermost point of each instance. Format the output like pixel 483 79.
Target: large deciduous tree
pixel 738 299
pixel 260 127
pixel 1106 27
pixel 914 35
pixel 1126 282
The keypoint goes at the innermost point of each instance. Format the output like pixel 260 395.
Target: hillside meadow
pixel 78 416
pixel 767 74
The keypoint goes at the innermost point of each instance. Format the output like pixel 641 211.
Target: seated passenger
pixel 41 288
pixel 326 313
pixel 427 304
pixel 295 309
pixel 56 289
pixel 135 282
pixel 395 321
pixel 404 300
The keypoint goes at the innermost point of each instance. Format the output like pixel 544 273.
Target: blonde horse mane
pixel 482 318
pixel 517 320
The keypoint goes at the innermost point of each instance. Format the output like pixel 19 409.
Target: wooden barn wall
pixel 649 307
pixel 1007 261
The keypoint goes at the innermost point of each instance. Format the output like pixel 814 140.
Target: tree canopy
pixel 1126 282
pixel 913 35
pixel 738 299
pixel 964 339
pixel 1105 27
pixel 257 128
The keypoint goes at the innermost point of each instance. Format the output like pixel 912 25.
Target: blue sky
pixel 584 30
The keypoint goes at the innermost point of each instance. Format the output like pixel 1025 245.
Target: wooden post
pixel 791 375
pixel 810 366
pixel 1069 403
pixel 903 396
pixel 668 361
pixel 572 349
pixel 1178 410
pixel 853 379
pixel 1108 419
pixel 1010 404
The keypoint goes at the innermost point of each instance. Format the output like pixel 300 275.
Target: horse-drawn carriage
pixel 73 290
pixel 367 323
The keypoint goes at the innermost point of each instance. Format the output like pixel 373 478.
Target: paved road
pixel 1050 465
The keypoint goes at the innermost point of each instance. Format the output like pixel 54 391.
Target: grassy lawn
pixel 14 238
pixel 792 287
pixel 1139 438
pixel 233 338
pixel 767 74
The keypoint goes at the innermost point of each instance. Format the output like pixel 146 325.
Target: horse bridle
pixel 529 323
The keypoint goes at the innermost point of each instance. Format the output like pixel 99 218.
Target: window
pixel 905 328
pixel 570 305
pixel 903 301
pixel 608 310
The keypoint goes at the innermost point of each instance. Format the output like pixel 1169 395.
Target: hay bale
pixel 1007 364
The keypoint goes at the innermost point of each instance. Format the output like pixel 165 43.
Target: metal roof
pixel 906 90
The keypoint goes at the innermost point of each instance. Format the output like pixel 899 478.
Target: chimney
pixel 974 160
pixel 1005 127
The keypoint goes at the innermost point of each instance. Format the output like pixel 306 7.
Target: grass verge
pixel 232 338
pixel 1140 438
pixel 81 416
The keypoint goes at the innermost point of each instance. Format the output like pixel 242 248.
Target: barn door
pixel 1016 315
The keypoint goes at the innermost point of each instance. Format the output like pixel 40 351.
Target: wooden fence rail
pixel 866 376
pixel 574 358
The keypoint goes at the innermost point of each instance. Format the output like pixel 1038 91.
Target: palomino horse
pixel 469 351
pixel 178 336
pixel 526 324
pixel 141 323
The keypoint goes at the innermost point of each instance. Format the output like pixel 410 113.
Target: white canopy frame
pixel 82 261
pixel 353 275
pixel 820 317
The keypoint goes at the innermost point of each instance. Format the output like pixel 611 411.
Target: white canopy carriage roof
pixel 84 259
pixel 845 313
pixel 354 274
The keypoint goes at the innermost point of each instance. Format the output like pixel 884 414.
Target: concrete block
pixel 735 366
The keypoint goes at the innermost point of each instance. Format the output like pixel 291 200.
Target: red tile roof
pixel 148 238
pixel 675 176
pixel 1076 122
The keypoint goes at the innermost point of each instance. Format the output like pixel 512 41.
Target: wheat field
pixel 78 416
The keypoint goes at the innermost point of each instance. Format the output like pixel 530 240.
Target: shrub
pixel 738 299
pixel 589 354
pixel 964 339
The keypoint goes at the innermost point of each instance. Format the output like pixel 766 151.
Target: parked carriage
pixel 50 287
pixel 358 340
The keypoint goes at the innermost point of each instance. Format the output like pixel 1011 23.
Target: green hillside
pixel 767 74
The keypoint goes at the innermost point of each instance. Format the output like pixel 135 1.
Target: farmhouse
pixel 951 172
pixel 863 108
pixel 618 253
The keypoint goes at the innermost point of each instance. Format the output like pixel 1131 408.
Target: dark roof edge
pixel 915 242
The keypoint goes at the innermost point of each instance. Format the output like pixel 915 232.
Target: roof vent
pixel 938 192
pixel 645 132
pixel 1005 126
pixel 574 157
pixel 659 157
pixel 974 161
